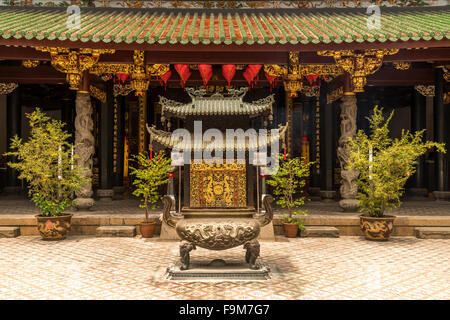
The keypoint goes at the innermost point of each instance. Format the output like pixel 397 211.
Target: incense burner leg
pixel 252 253
pixel 185 248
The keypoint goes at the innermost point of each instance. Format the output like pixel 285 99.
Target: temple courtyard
pixel 86 267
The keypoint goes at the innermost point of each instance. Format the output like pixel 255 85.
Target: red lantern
pixel 312 78
pixel 251 72
pixel 165 77
pixel 205 72
pixel 122 76
pixel 272 80
pixel 171 175
pixel 184 72
pixel 228 72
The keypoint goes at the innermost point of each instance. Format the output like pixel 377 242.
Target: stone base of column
pixel 328 196
pixel 82 204
pixel 441 195
pixel 118 192
pixel 417 192
pixel 105 194
pixel 314 193
pixel 349 205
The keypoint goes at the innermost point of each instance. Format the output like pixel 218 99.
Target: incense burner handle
pixel 168 218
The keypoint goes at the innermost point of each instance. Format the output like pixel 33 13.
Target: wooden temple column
pixel 119 146
pixel 349 108
pixel 13 127
pixel 326 146
pixel 106 126
pixel 441 166
pixel 418 122
pixel 84 139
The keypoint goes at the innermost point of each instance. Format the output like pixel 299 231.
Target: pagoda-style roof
pixel 216 105
pixel 164 139
pixel 134 27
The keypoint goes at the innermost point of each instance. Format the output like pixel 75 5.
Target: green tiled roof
pixel 216 105
pixel 231 26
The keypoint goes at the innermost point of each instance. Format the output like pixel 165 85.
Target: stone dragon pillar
pixel 84 141
pixel 348 188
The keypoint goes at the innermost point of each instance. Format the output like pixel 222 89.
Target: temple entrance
pixel 218 185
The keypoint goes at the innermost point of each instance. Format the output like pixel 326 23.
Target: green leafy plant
pixel 385 164
pixel 289 180
pixel 45 161
pixel 149 175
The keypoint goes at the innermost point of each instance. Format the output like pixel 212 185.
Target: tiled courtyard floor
pixel 302 268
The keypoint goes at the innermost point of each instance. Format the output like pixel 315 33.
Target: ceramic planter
pixel 54 228
pixel 147 229
pixel 290 230
pixel 377 228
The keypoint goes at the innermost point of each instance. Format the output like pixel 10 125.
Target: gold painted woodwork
pixel 335 94
pixel 142 121
pixel 359 64
pixel 97 93
pixel 402 65
pixel 7 88
pixel 110 68
pixel 30 63
pixel 139 78
pixel 446 73
pixel 73 62
pixel 275 70
pixel 215 185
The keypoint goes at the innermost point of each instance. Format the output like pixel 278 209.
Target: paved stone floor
pixel 303 268
pixel 426 207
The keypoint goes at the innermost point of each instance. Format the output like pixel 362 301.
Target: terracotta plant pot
pixel 147 229
pixel 377 228
pixel 54 228
pixel 290 230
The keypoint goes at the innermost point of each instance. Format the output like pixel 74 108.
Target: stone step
pixel 116 231
pixel 432 232
pixel 320 231
pixel 9 232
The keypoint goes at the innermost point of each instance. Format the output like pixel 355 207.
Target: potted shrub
pixel 384 164
pixel 287 181
pixel 46 162
pixel 149 175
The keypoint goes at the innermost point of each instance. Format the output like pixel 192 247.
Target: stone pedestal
pixel 105 194
pixel 314 193
pixel 348 188
pixel 84 141
pixel 119 192
pixel 418 192
pixel 441 195
pixel 328 196
pixel 217 270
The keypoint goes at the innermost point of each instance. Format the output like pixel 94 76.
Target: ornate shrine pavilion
pixel 124 75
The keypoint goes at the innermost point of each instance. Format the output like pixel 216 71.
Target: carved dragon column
pixel 348 188
pixel 84 141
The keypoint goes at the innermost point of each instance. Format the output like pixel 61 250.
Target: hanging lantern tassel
pixel 284 157
pixel 151 152
pixel 159 158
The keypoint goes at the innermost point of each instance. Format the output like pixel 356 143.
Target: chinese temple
pixel 125 75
